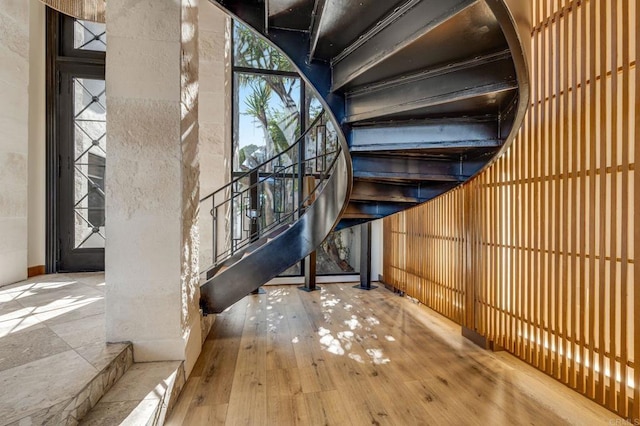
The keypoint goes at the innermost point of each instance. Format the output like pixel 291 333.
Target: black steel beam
pixel 407 169
pixel 471 168
pixel 364 190
pixel 251 13
pixel 481 76
pixel 348 223
pixel 399 29
pixel 316 21
pixel 374 210
pixel 292 15
pixel 376 191
pixel 441 134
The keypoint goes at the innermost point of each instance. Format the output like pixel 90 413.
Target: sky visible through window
pixel 267 106
pixel 249 130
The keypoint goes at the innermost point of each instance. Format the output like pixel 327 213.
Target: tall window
pixel 268 95
pixel 271 108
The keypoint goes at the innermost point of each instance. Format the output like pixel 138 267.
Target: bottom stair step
pixel 82 392
pixel 143 396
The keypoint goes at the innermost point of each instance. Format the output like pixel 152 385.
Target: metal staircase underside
pixel 426 92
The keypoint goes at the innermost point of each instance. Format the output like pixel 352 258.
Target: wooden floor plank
pixel 216 370
pixel 183 406
pixel 326 408
pixel 248 399
pixel 214 415
pixel 343 356
pixel 280 351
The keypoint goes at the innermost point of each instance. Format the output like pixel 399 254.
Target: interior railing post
pixel 232 220
pixel 301 155
pixel 254 211
pixel 254 214
pixel 214 233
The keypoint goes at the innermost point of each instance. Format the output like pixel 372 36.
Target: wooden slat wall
pixel 537 253
pixel 89 10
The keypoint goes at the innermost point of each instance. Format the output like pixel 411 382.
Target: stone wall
pixel 37 135
pixel 14 138
pixel 152 183
pixel 215 113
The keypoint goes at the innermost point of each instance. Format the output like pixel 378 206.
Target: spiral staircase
pixel 424 94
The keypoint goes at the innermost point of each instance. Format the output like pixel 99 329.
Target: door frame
pixel 62 59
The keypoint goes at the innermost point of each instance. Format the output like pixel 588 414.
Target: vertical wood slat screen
pixel 537 253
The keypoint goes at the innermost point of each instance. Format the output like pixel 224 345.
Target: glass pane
pixel 313 107
pixel 251 51
pixel 90 161
pixel 267 117
pixel 340 253
pixel 89 36
pixel 261 203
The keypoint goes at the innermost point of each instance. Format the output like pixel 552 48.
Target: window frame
pixel 236 69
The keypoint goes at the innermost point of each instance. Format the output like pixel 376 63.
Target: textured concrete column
pixel 215 114
pixel 152 179
pixel 14 138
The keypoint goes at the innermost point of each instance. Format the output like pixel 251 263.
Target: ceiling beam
pixel 316 23
pixel 374 210
pixel 364 190
pixel 411 169
pixel 486 75
pixel 348 223
pixel 399 29
pixel 441 134
pixel 253 14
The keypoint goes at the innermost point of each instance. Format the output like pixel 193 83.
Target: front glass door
pixel 83 150
pixel 89 161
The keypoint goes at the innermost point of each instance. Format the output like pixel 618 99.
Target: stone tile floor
pixel 54 364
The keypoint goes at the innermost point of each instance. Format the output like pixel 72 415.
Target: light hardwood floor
pixel 347 357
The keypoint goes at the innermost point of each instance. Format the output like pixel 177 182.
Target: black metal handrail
pixel 265 162
pixel 274 193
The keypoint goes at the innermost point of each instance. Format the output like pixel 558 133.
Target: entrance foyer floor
pixel 54 363
pixel 342 356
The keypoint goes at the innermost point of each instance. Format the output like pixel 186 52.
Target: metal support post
pixel 310 273
pixel 365 258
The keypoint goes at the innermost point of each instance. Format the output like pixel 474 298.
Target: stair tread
pixel 143 396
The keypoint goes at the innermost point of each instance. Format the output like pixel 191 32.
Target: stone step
pixel 87 393
pixel 143 396
pixel 54 364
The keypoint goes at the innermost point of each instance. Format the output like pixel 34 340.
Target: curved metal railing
pixel 274 194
